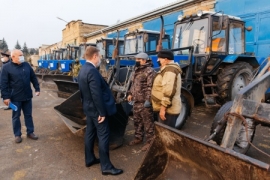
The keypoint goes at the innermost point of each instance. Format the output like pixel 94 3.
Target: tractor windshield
pixel 236 38
pixel 73 53
pixel 101 48
pixel 58 55
pixel 133 44
pixel 65 53
pixel 193 33
pixel 81 51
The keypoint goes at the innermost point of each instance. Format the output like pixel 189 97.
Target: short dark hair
pixel 90 52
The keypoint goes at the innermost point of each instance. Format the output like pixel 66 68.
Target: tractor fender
pixel 187 94
pixel 252 60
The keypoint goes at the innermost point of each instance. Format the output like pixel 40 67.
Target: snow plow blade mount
pixel 177 155
pixel 47 80
pixel 66 88
pixel 71 112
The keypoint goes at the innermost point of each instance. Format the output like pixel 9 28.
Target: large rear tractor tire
pixel 185 111
pixel 232 79
pixel 241 145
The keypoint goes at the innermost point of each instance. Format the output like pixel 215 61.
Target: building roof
pixel 156 12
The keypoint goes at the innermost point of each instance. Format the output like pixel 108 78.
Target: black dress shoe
pixel 112 171
pixel 32 136
pixel 96 161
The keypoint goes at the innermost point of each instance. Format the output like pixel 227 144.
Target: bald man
pixel 16 80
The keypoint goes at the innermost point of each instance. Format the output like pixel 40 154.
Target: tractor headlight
pixel 200 13
pixel 180 17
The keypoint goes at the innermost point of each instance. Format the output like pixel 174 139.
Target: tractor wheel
pixel 239 141
pixel 232 79
pixel 185 111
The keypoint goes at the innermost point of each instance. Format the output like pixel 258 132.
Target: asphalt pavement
pixel 59 154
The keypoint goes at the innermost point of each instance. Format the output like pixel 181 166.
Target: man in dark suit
pixel 98 103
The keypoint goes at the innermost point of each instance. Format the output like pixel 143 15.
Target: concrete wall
pixel 46 50
pixel 75 30
pixel 34 59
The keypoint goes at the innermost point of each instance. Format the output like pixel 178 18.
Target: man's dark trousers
pixel 94 128
pixel 26 107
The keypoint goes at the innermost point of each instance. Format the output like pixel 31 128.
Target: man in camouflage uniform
pixel 76 69
pixel 140 93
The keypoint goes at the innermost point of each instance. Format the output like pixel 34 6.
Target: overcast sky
pixel 35 22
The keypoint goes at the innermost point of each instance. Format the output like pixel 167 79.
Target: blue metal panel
pixel 230 58
pixel 123 62
pixel 242 6
pixel 65 64
pixel 53 64
pixel 40 63
pixel 255 14
pixel 154 60
pixel 263 34
pixel 114 34
pixel 45 64
pixel 82 61
pixel 180 59
pixel 169 21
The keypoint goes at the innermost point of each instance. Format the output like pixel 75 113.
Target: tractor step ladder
pixel 210 98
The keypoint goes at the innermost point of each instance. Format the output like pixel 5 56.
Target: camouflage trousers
pixel 143 121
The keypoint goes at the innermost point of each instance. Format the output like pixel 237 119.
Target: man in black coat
pixel 98 104
pixel 4 59
pixel 16 88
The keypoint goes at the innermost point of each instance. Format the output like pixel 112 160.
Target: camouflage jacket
pixel 76 69
pixel 142 80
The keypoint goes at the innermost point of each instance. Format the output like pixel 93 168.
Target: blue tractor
pixel 109 48
pixel 81 51
pixel 210 47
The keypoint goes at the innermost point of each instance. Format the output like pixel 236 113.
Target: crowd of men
pixel 151 91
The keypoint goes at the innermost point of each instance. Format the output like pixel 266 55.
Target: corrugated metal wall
pixel 255 13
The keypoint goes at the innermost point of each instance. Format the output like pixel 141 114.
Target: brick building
pixel 74 32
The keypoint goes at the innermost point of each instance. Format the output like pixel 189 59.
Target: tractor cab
pixel 57 54
pixel 144 41
pixel 72 52
pixel 81 51
pixel 210 48
pixel 212 37
pixel 107 46
pixel 64 53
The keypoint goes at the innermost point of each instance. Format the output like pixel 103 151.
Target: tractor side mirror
pixel 145 38
pixel 249 28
